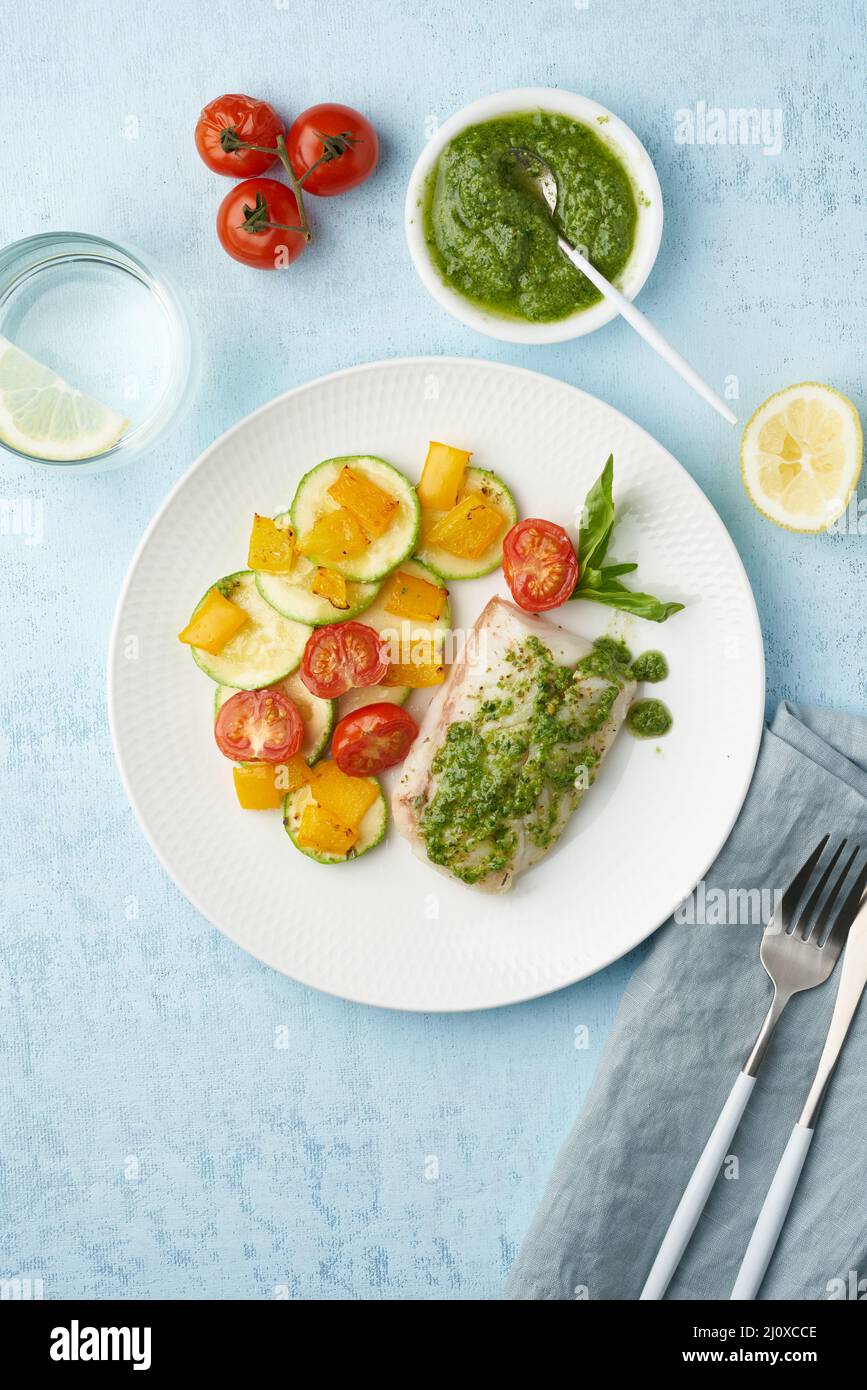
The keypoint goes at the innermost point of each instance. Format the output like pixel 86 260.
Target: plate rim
pixel 200 462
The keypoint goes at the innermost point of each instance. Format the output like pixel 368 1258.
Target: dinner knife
pixel 766 1232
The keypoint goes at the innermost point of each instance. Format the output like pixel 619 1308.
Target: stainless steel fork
pixel 797 955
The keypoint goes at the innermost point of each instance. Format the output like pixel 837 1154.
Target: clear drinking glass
pixel 110 323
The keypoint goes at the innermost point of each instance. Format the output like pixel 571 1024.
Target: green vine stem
pixel 256 220
pixel 333 146
pixel 295 184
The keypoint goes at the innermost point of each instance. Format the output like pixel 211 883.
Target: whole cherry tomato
pixel 234 118
pixel 332 148
pixel 258 224
pixel 372 738
pixel 540 565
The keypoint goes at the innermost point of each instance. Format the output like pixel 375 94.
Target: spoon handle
pixel 651 335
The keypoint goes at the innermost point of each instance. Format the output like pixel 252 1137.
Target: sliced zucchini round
pixel 265 650
pixel 362 695
pixel 382 554
pixel 292 597
pixel 290 593
pixel 371 831
pixel 403 630
pixel 317 715
pixel 448 566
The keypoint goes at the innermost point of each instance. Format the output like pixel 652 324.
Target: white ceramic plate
pixel 388 929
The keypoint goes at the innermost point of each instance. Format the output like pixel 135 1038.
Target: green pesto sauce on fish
pixel 493 771
pixel 491 774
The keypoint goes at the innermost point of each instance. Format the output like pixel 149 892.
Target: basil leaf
pixel 612 571
pixel 594 586
pixel 601 583
pixel 597 520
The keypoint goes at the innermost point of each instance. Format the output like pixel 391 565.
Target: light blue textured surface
pixel 676 1048
pixel 157 1137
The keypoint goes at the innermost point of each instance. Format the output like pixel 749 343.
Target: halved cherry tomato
pixel 251 121
pixel 258 224
pixel 332 148
pixel 343 655
pixel 372 738
pixel 259 726
pixel 540 565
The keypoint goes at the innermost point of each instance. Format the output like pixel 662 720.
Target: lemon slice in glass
pixel 41 415
pixel 801 456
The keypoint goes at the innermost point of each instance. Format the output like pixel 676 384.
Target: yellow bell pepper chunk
pixel 256 787
pixel 347 798
pixel 416 674
pixel 442 476
pixel 428 521
pixel 469 528
pixel 334 537
pixel 291 775
pixel 322 832
pixel 272 547
pixel 410 597
pixel 213 624
pixel 262 786
pixel 372 506
pixel 331 585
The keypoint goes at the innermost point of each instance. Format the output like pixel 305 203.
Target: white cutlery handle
pixel 694 1199
pixel 648 332
pixel 766 1232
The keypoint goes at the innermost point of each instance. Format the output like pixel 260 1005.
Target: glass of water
pixel 110 324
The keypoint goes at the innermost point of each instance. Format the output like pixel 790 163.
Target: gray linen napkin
pixel 687 1021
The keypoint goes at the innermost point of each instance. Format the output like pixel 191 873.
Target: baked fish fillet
pixel 509 746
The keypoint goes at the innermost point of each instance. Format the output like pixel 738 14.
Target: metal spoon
pixel 530 172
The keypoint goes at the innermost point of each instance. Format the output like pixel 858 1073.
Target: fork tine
pixel 792 895
pixel 805 919
pixel 831 901
pixel 845 917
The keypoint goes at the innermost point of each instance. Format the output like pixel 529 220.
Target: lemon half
pixel 801 456
pixel 41 415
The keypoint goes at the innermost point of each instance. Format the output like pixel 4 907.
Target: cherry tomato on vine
pixel 246 119
pixel 259 726
pixel 332 148
pixel 341 656
pixel 245 224
pixel 372 738
pixel 540 565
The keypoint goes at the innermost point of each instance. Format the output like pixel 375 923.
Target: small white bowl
pixel 612 131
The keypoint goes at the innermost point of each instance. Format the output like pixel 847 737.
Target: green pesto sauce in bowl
pixel 497 245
